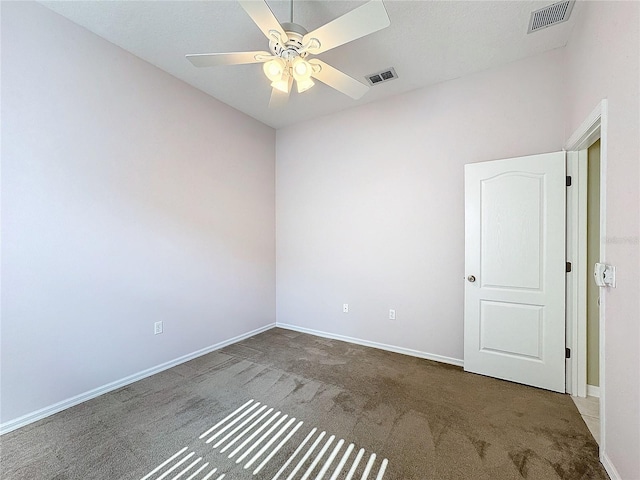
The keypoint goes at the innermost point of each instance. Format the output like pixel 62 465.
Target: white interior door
pixel 514 312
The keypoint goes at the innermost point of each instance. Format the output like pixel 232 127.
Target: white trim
pixel 589 131
pixel 83 397
pixel 571 316
pixel 608 465
pixel 593 127
pixel 381 346
pixel 593 391
pixel 604 143
pixel 576 284
pixel 581 274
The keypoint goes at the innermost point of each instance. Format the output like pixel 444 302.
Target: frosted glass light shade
pixel 301 69
pixel 284 84
pixel 274 69
pixel 304 84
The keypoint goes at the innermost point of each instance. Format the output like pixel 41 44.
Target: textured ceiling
pixel 428 42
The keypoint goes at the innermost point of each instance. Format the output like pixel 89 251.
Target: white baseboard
pixel 381 346
pixel 593 391
pixel 83 397
pixel 608 466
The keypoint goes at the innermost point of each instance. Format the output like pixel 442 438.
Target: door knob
pixel 471 278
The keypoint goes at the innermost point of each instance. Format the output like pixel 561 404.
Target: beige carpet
pixel 296 406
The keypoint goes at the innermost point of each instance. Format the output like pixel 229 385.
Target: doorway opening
pixel 587 156
pixel 589 407
pixel 593 257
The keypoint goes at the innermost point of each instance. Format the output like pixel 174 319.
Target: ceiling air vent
pixel 380 77
pixel 553 14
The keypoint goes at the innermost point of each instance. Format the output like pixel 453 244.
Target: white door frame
pixel 594 127
pixel 576 286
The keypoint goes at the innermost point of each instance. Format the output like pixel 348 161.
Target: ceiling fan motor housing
pixel 290 49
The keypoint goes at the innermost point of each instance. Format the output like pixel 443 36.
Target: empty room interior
pixel 275 239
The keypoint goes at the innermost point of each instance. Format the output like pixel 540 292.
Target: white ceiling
pixel 428 42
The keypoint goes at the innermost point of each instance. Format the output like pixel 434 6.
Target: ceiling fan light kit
pixel 301 69
pixel 304 85
pixel 291 45
pixel 283 85
pixel 274 69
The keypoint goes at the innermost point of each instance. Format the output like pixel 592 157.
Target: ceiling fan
pixel 291 47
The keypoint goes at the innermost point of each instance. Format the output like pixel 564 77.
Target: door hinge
pixel 568 267
pixel 567 353
pixel 568 180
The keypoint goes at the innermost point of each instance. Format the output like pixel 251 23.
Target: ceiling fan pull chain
pixel 291 11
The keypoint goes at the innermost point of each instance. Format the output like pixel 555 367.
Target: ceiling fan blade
pixel 263 17
pixel 366 19
pixel 338 80
pixel 233 58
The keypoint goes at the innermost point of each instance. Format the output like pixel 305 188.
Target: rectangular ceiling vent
pixel 553 14
pixel 381 77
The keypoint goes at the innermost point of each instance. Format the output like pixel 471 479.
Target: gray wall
pixel 128 197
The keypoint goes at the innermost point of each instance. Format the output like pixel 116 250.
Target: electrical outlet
pixel 345 308
pixel 392 314
pixel 157 328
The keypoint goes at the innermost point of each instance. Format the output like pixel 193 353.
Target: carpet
pixel 283 405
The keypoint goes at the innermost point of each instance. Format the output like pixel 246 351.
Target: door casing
pixel 594 127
